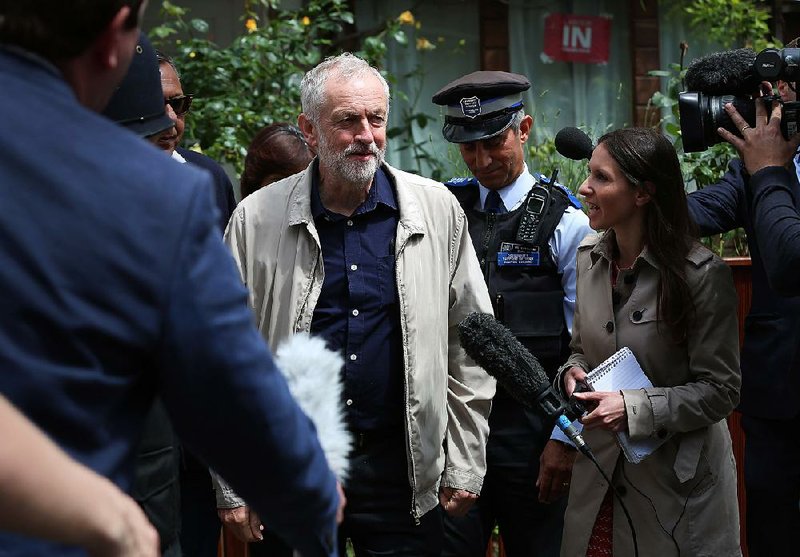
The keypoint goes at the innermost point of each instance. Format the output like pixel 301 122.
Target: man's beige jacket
pixel 447 397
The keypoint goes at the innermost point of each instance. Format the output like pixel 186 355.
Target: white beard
pixel 357 173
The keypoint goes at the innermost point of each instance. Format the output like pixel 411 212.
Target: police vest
pixel 523 280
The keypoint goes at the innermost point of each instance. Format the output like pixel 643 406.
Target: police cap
pixel 480 105
pixel 138 102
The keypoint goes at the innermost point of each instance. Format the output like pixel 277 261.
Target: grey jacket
pixel 447 397
pixel 690 481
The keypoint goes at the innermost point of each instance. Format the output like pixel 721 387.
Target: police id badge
pixel 517 255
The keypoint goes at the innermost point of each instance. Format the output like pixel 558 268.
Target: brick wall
pixel 645 57
pixel 493 17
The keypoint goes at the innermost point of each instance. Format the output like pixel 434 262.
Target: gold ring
pixel 745 127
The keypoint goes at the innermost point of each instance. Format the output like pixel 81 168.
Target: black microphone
pixel 495 349
pixel 724 73
pixel 574 144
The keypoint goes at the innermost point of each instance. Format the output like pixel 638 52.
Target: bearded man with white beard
pixel 380 264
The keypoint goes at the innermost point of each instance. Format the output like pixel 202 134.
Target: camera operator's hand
pixel 763 145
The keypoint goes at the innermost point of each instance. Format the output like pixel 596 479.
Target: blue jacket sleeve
pixel 776 221
pixel 718 208
pixel 229 402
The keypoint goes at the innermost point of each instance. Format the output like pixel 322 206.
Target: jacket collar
pixel 602 247
pixel 299 206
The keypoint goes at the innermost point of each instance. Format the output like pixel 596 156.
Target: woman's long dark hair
pixel 649 162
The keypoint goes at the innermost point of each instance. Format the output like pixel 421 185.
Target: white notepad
pixel 622 371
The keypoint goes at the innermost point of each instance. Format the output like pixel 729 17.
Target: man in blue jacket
pixel 116 288
pixel 760 193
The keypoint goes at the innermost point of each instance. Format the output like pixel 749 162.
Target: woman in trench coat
pixel 646 284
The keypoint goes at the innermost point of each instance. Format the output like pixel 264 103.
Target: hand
pixel 763 145
pixel 608 412
pixel 127 533
pixel 124 530
pixel 342 503
pixel 243 522
pixel 456 502
pixel 572 376
pixel 555 470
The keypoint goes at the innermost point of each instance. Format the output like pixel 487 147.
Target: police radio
pixel 536 204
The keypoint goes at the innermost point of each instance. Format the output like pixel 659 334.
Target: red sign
pixel 577 38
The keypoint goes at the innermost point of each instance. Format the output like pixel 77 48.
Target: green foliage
pixel 732 22
pixel 254 81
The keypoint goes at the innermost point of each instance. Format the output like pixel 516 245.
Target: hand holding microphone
pixel 495 349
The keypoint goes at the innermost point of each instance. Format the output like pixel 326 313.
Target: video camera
pixel 733 77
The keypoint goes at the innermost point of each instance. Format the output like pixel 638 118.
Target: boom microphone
pixel 574 144
pixel 495 349
pixel 724 73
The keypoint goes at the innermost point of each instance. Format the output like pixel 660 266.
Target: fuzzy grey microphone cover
pixel 313 374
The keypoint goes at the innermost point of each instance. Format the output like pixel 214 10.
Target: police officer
pixel 526 231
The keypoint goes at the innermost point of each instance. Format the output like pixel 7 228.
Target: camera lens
pixel 701 115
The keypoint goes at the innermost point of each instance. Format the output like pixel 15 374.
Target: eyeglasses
pixel 180 105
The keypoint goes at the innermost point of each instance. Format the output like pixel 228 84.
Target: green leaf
pixel 199 25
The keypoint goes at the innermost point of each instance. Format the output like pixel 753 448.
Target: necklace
pixel 617 268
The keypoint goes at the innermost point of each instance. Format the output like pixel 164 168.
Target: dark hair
pixel 277 151
pixel 59 30
pixel 649 162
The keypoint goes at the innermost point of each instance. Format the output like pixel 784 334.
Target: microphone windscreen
pixel 724 73
pixel 496 350
pixel 313 374
pixel 574 144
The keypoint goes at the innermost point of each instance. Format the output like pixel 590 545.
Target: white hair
pixel 343 66
pixel 516 121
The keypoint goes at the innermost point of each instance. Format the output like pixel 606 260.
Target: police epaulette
pixel 460 182
pixel 574 201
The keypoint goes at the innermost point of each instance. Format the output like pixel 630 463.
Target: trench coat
pixel 683 495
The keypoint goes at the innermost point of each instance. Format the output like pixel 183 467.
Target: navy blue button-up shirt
pixel 357 312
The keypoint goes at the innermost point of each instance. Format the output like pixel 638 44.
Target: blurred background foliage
pixel 255 80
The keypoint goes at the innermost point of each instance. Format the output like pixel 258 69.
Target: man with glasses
pixel 177 105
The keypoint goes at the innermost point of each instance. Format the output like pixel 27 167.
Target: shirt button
pixel 353 357
pixel 355 313
pixel 637 315
pixel 349 223
pixel 610 327
pixel 349 402
pixel 353 267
